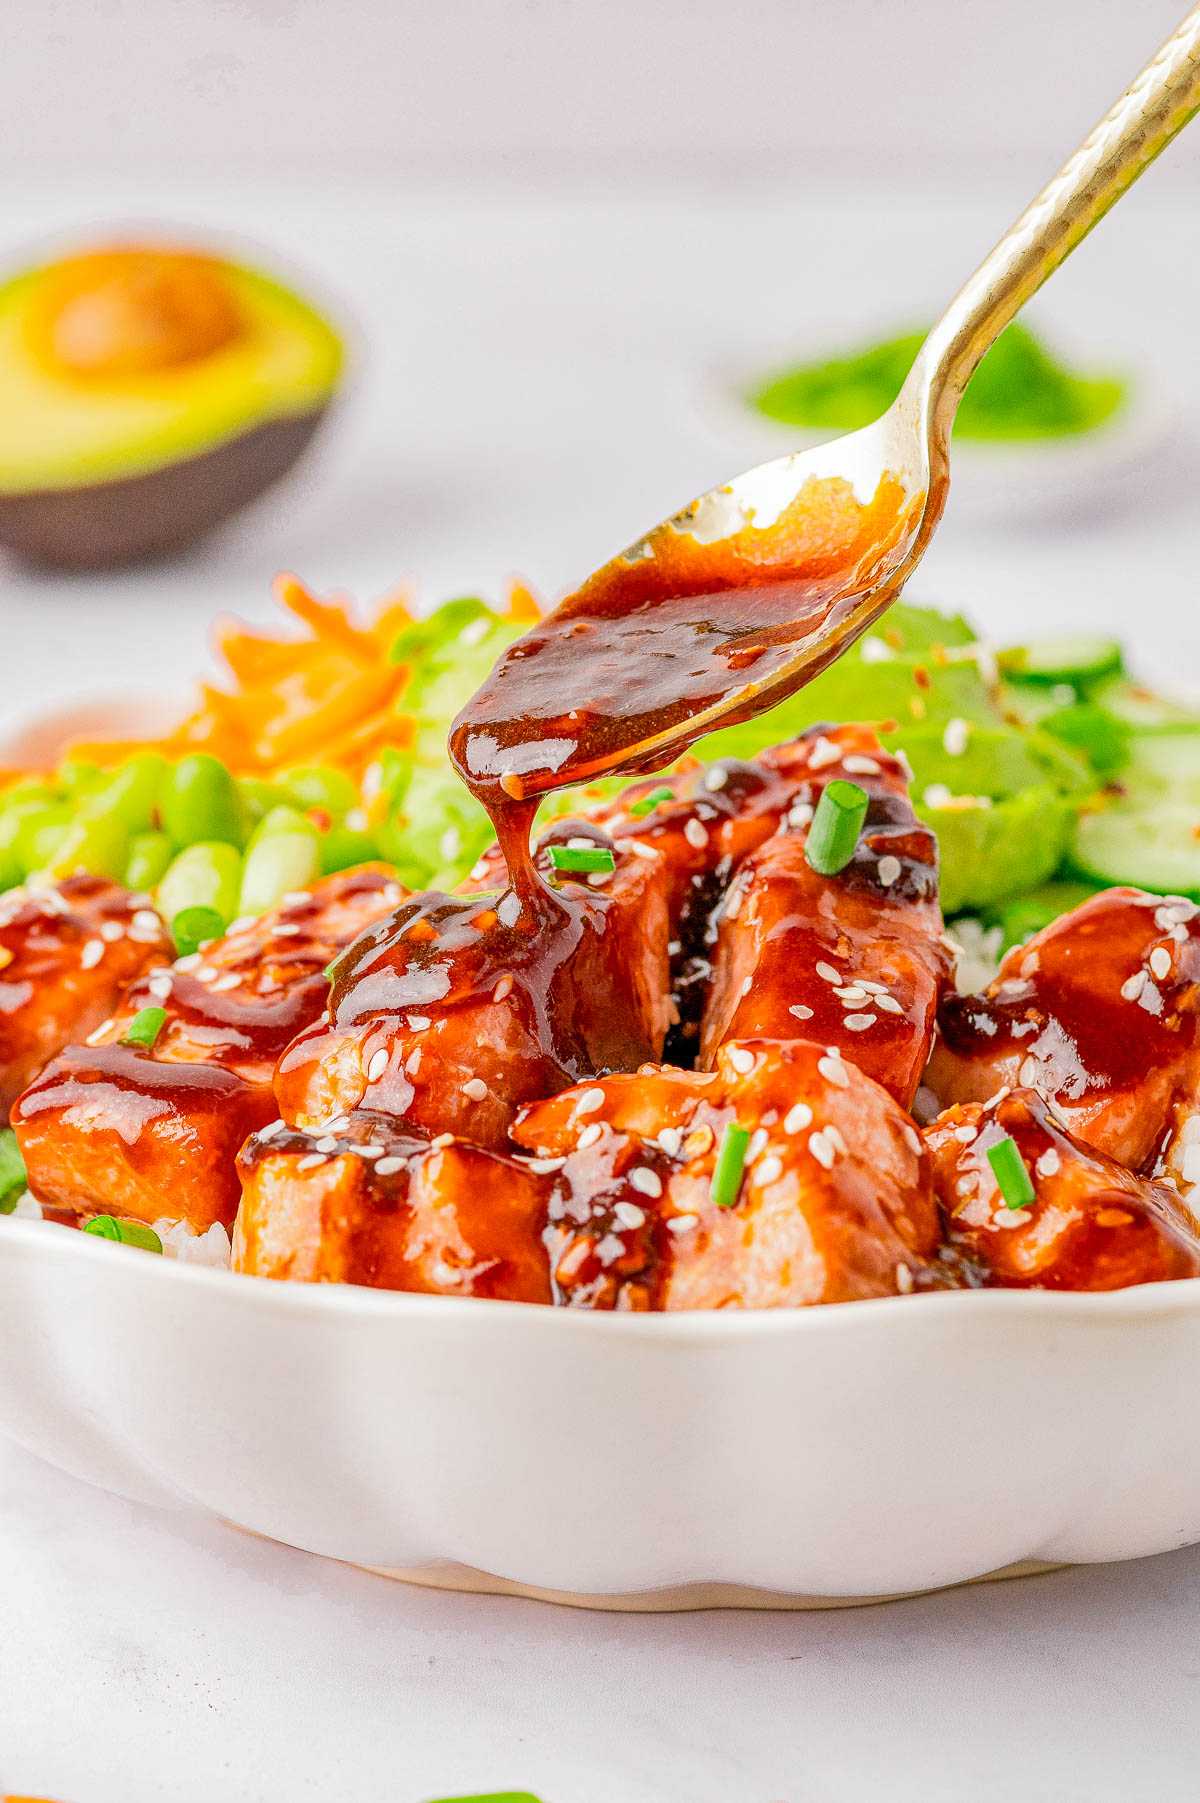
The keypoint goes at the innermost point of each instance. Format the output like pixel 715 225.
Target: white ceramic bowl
pixel 864 1449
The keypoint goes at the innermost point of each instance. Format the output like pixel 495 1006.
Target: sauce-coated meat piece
pixel 1099 1013
pixel 66 953
pixel 857 959
pixel 834 1201
pixel 117 1129
pixel 459 1009
pixel 1092 1224
pixel 361 1203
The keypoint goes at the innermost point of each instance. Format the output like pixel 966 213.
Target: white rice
pixel 178 1240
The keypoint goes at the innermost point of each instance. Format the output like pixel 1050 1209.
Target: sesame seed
pixel 1132 987
pixel 417 1023
pixel 387 1167
pixel 286 929
pixel 377 1065
pixel 1029 1072
pixel 111 931
pixel 800 1011
pixel 858 1023
pixel 938 795
pixel 904 1280
pixel 509 911
pixel 828 973
pixel 912 1138
pixel 834 1071
pixel 205 973
pixel 191 962
pixel 887 870
pixel 889 1004
pixel 682 1223
pixel 695 834
pixel 412 1063
pixel 966 1135
pixel 715 777
pixel 769 1170
pixel 645 1181
pixel 801 814
pixel 629 1214
pixel 160 986
pixel 327 1144
pixel 822 1150
pixel 954 739
pixel 741 1060
pixel 146 917
pixel 824 752
pixel 861 766
pixel 440 1142
pixel 1004 1091
pixel 295 898
pixel 591 1133
pixel 670 1139
pixel 450 845
pixel 223 984
pixel 639 848
pixel 1160 962
pixel 596 879
pixel 1048 1163
pixel 797 1118
pixel 368 1152
pixel 589 1101
pixel 479 870
pixel 97 1035
pixel 757 1144
pixel 475 1089
pixel 1011 1217
pixel 747 983
pixel 271 1129
pixel 503 987
pixel 542 1166
pixel 91 954
pixel 241 925
pixel 310 1161
pixel 1179 934
pixel 854 992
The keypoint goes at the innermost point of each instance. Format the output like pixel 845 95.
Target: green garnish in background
pixel 1019 391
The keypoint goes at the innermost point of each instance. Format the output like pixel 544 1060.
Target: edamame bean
pixel 206 875
pixel 200 802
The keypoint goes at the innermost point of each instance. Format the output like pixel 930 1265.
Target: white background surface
pixel 551 224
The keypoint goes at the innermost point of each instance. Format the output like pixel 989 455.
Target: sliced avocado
pixel 145 395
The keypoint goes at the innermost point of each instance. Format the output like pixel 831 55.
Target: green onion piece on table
pixel 582 857
pixel 833 835
pixel 127 1233
pixel 731 1162
pixel 193 927
pixel 1008 1168
pixel 145 1027
pixel 646 804
pixel 12 1171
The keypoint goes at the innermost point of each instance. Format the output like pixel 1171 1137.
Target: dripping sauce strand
pixel 660 637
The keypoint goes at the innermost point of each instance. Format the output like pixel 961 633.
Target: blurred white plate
pixel 857 1450
pixel 991 480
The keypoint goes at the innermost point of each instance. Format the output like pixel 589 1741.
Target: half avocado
pixel 145 395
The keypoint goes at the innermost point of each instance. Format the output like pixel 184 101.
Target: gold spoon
pixel 904 455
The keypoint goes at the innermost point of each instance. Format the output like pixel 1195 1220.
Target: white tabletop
pixel 532 394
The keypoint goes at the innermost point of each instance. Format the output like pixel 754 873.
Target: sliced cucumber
pixel 989 854
pixel 1082 661
pixel 1148 834
pixel 1141 708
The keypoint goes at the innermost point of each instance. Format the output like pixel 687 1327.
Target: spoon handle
pixel 1156 106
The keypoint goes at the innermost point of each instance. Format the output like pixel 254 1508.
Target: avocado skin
pixel 101 525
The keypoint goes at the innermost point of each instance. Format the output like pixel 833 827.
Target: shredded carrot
pixel 330 697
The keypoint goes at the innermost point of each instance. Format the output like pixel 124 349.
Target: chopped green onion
pixel 647 803
pixel 128 1233
pixel 731 1161
pixel 194 927
pixel 278 862
pixel 205 875
pixel 145 1027
pixel 582 857
pixel 1010 1173
pixel 838 821
pixel 12 1171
